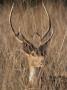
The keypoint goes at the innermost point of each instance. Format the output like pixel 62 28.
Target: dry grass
pixel 14 68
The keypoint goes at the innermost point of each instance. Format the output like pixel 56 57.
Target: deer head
pixel 35 55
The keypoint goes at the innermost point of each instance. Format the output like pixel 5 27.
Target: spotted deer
pixel 35 55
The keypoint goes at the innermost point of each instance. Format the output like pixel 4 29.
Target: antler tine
pixel 49 26
pixel 10 22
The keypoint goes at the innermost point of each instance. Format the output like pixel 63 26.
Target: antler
pixel 16 35
pixel 43 41
pixel 49 29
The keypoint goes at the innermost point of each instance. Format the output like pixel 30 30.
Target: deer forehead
pixel 36 57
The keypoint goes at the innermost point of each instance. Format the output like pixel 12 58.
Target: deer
pixel 35 55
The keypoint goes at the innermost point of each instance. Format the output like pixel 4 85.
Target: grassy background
pixel 14 70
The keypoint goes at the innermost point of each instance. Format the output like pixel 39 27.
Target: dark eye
pixel 28 48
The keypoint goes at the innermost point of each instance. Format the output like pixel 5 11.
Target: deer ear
pixel 45 42
pixel 28 47
pixel 43 49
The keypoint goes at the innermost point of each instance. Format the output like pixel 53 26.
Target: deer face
pixel 35 60
pixel 35 55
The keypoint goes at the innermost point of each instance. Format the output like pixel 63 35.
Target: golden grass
pixel 14 67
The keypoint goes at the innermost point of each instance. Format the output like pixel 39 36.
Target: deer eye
pixel 28 48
